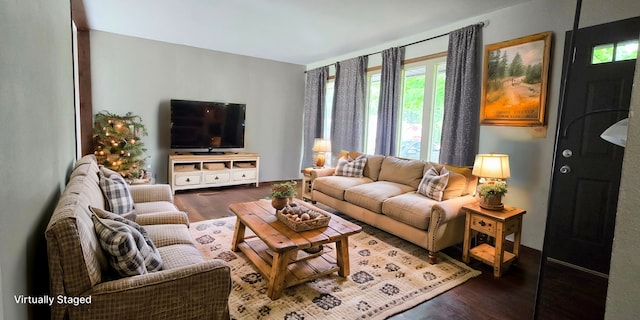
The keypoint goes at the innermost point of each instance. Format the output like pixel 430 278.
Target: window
pixel 422 109
pixel 422 105
pixel 328 109
pixel 373 95
pixel 621 51
pixel 627 50
pixel 413 93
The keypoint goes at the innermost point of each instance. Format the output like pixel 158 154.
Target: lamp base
pixel 320 160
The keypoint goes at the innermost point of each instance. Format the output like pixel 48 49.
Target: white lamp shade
pixel 321 145
pixel 495 166
pixel 617 133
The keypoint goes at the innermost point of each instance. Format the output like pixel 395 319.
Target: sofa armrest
pixel 165 217
pixel 196 291
pixel 151 192
pixel 316 173
pixel 450 209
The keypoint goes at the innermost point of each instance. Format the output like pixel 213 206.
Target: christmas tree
pixel 117 143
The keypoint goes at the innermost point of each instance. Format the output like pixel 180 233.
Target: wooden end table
pixel 278 251
pixel 497 224
pixel 307 184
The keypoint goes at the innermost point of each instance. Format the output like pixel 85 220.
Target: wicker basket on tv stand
pixel 195 171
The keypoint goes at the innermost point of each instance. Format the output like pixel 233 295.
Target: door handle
pixel 565 169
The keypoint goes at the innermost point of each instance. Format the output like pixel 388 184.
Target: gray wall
pixel 36 104
pixel 530 149
pixel 142 76
pixel 38 149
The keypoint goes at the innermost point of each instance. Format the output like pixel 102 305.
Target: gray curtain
pixel 347 129
pixel 314 100
pixel 461 126
pixel 388 103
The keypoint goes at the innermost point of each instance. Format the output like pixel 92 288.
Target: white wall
pixel 142 76
pixel 38 148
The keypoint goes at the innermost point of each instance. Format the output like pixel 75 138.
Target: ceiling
pixel 294 31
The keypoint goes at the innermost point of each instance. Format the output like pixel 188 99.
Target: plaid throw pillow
pixel 434 183
pixel 129 252
pixel 351 168
pixel 116 190
pixel 126 218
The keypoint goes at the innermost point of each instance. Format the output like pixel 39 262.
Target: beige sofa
pixel 386 198
pixel 186 287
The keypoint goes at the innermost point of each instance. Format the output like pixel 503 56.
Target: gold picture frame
pixel 514 86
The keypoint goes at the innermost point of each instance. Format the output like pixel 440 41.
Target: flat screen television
pixel 200 126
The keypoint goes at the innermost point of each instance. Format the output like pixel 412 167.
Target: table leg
pixel 497 262
pixel 516 241
pixel 278 274
pixel 238 235
pixel 342 256
pixel 466 245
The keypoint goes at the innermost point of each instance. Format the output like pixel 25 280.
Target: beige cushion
pixel 455 186
pixel 371 195
pixel 472 181
pixel 434 183
pixel 334 186
pixel 372 168
pixel 402 171
pixel 410 208
pixel 349 154
pixel 179 255
pixel 154 206
pixel 168 234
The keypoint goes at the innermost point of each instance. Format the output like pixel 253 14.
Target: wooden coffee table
pixel 277 251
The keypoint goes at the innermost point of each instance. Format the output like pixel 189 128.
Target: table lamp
pixel 492 169
pixel 321 147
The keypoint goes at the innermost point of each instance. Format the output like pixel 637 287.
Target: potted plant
pixel 491 193
pixel 282 193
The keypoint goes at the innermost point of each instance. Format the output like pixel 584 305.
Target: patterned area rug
pixel 388 275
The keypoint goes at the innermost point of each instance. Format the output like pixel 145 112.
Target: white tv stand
pixel 195 171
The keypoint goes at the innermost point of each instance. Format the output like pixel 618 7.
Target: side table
pixel 497 224
pixel 307 184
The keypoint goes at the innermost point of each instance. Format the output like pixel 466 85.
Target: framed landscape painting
pixel 514 88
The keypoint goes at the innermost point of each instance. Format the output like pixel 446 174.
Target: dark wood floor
pixel 484 297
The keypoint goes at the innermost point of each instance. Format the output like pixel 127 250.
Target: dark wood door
pixel 587 169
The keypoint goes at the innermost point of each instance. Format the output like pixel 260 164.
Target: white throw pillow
pixel 434 183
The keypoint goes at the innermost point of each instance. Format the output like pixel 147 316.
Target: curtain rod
pixel 481 24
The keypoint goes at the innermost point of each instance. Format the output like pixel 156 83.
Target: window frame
pixel 428 104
